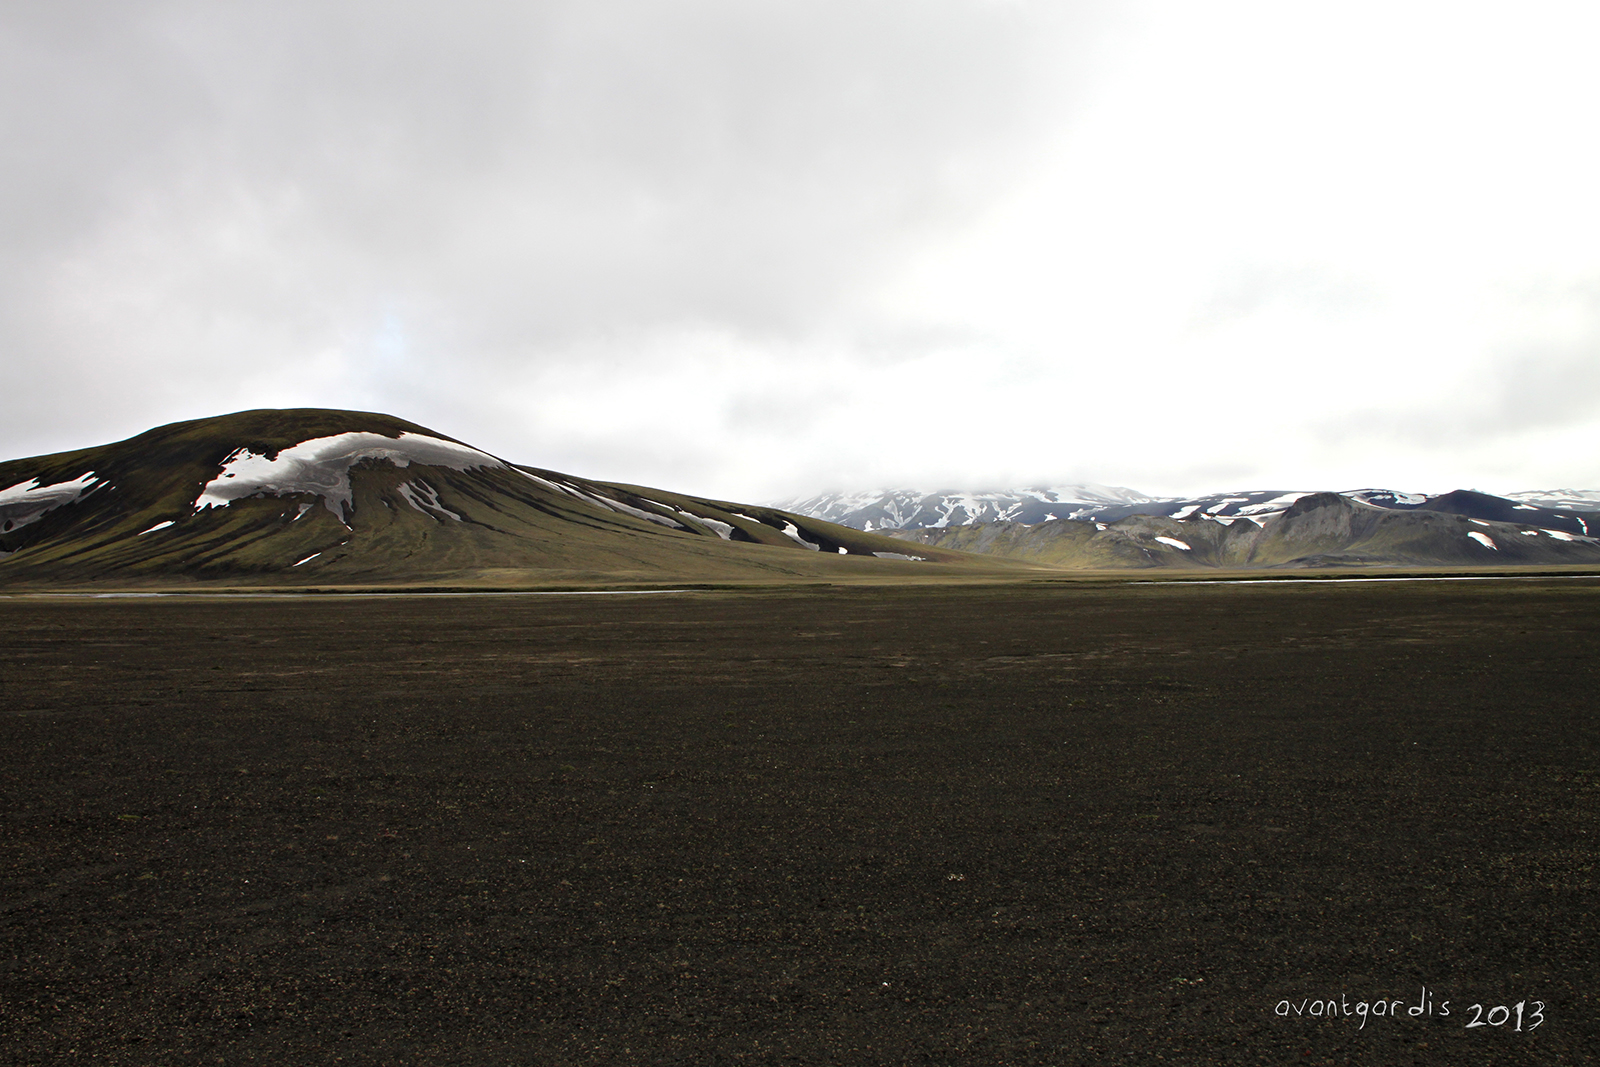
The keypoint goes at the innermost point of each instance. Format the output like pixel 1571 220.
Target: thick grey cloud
pixel 413 199
pixel 754 247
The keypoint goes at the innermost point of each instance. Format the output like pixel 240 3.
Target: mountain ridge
pixel 1317 530
pixel 1574 511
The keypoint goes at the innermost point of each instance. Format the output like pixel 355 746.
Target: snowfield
pixel 891 509
pixel 322 466
pixel 1560 499
pixel 28 501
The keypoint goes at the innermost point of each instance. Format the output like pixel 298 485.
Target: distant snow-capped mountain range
pixel 1573 510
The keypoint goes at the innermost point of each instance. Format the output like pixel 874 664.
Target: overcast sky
pixel 752 249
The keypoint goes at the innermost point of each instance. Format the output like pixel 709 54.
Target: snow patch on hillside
pixel 425 498
pixel 1386 498
pixel 612 504
pixel 1282 502
pixel 723 530
pixel 792 532
pixel 28 501
pixel 322 466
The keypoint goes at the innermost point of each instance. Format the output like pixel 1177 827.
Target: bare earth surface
pixel 1005 825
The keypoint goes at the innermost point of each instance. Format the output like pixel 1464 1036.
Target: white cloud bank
pixel 759 248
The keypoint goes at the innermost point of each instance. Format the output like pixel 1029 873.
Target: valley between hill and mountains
pixel 340 499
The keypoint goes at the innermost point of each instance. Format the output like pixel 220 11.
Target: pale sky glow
pixel 754 249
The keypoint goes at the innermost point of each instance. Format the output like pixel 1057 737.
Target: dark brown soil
pixel 1009 825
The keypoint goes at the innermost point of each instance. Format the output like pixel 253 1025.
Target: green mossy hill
pixel 1321 530
pixel 412 524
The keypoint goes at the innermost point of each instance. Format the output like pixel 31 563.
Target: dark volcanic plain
pixel 1046 823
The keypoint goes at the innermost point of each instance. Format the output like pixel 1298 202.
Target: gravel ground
pixel 1005 825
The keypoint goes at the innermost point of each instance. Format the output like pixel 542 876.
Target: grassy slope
pixel 493 526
